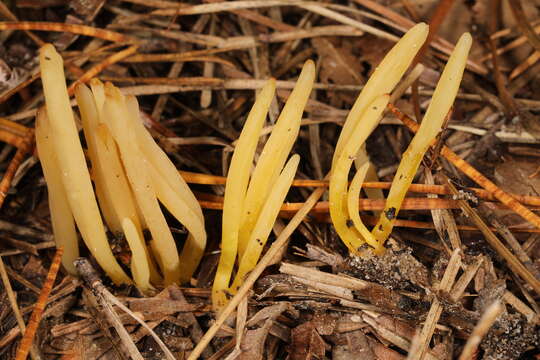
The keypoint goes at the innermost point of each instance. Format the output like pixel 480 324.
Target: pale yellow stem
pixel 265 222
pixel 275 153
pixel 235 191
pixel 160 160
pixel 340 174
pixel 443 98
pixel 75 175
pixel 137 168
pixel 140 267
pixel 62 220
pixel 113 187
pixel 353 197
pixel 384 79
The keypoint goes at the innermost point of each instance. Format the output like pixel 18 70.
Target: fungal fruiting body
pixel 352 233
pixel 72 164
pixel 360 122
pixel 131 174
pixel 441 102
pixel 251 204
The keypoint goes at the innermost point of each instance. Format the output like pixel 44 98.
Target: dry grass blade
pixel 62 27
pixel 513 263
pixel 257 271
pixel 35 318
pixel 321 10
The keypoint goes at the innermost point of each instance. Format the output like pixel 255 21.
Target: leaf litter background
pixel 196 108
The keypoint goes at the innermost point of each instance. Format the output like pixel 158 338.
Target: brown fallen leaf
pixel 338 64
pixel 253 342
pixel 306 343
pixel 357 347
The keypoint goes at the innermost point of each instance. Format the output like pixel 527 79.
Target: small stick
pixel 257 271
pixel 14 164
pixel 62 27
pixel 513 263
pixel 35 318
pixel 90 276
pixel 96 69
pixel 105 299
pixel 421 342
pixel 481 329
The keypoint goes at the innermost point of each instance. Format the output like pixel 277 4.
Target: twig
pixel 257 271
pixel 513 263
pixel 106 300
pixel 63 27
pixel 481 329
pixel 96 69
pixel 421 342
pixel 35 318
pixel 206 179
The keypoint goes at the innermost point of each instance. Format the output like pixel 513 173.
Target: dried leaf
pixel 306 344
pixel 338 64
pixel 253 343
pixel 357 347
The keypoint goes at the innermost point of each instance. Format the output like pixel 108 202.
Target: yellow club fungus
pixel 384 78
pixel 443 98
pixel 235 190
pixel 137 170
pixel 275 152
pixel 360 122
pixel 130 173
pixel 112 188
pixel 265 222
pixel 62 220
pixel 173 192
pixel 252 205
pixel 353 237
pixel 72 164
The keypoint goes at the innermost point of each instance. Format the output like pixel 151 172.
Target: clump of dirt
pixel 510 337
pixel 396 269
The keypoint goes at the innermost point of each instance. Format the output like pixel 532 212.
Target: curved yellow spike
pixel 443 98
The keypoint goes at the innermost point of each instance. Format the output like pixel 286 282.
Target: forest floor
pixel 454 259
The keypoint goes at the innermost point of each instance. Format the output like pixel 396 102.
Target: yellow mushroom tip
pixel 309 66
pixel 95 82
pixel 47 48
pixel 466 38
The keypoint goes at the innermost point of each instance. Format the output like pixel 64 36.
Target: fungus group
pixel 131 175
pixel 362 120
pixel 252 200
